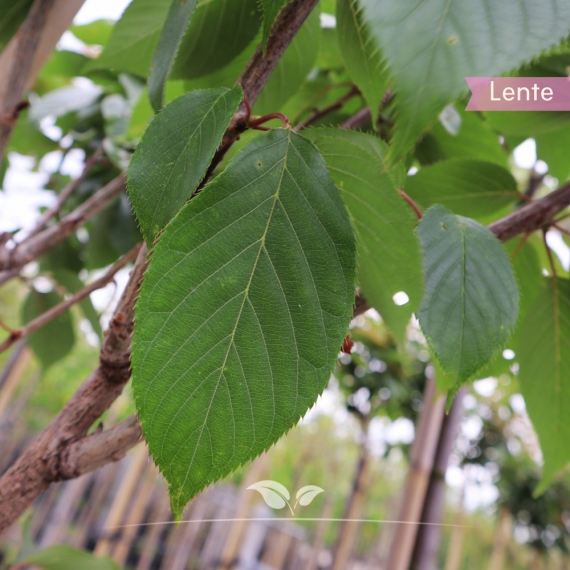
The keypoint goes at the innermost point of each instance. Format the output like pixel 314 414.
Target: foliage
pixel 255 258
pixel 62 557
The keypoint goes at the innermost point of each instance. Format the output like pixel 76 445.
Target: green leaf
pixel 467 187
pixel 134 38
pixel 529 278
pixel 64 100
pixel 471 298
pixel 112 233
pixel 293 67
pixel 242 312
pixel 175 152
pixel 388 253
pixel 219 31
pixel 28 139
pixel 360 54
pixel 54 340
pixel 474 140
pixel 544 358
pixel 552 147
pixel 176 23
pixel 94 33
pixel 63 557
pixel 271 9
pixel 61 67
pixel 526 123
pixel 431 46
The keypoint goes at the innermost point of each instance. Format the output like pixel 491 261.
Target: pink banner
pixel 519 93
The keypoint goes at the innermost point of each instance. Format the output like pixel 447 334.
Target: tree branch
pixel 26 54
pixel 46 460
pixel 320 113
pixel 27 40
pixel 66 193
pixel 55 455
pixel 533 216
pixel 259 68
pixel 100 448
pixel 60 308
pixel 36 245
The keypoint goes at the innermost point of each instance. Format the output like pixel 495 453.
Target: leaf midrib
pixel 238 318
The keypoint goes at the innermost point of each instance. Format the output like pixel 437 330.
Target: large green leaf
pixel 544 358
pixel 170 37
pixel 218 32
pixel 134 38
pixel 271 9
pixel 552 147
pixel 293 67
pixel 432 45
pixel 242 312
pixel 529 277
pixel 360 54
pixel 175 152
pixel 94 33
pixel 471 298
pixel 527 123
pixel 474 139
pixel 388 252
pixel 467 187
pixel 55 339
pixel 63 557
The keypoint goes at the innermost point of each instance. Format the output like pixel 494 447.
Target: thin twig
pixel 411 202
pixel 66 193
pixel 561 229
pixel 60 308
pixel 519 245
pixel 259 68
pixel 320 113
pixel 42 242
pixel 358 120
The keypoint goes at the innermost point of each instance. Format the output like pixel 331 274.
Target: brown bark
pixel 534 216
pixel 62 307
pixel 26 54
pixel 27 40
pixel 259 68
pixel 40 243
pixel 47 459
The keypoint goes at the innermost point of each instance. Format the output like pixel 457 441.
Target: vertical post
pixel 429 535
pixel 422 458
pixel 347 531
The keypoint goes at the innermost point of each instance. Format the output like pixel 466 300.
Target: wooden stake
pixel 422 459
pixel 116 514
